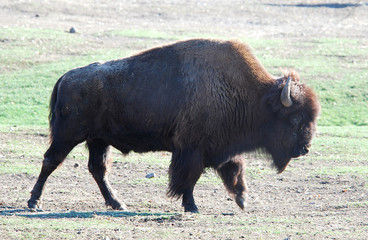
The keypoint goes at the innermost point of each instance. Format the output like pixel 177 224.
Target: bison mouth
pixel 282 158
pixel 300 151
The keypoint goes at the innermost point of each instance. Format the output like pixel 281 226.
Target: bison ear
pixel 273 102
pixel 279 96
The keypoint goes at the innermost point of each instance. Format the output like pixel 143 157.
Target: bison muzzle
pixel 205 101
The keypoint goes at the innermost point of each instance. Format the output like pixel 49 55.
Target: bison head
pixel 294 109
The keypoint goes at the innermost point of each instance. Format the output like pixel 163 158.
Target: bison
pixel 205 101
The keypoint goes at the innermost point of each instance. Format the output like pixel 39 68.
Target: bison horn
pixel 285 94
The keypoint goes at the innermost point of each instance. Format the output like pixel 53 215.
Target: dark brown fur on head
pixel 288 134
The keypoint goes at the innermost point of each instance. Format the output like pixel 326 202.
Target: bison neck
pixel 241 137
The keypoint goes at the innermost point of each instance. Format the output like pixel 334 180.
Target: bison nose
pixel 305 150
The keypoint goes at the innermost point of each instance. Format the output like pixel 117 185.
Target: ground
pixel 301 203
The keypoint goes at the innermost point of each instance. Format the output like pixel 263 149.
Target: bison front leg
pixel 188 201
pixel 185 169
pixel 98 165
pixel 232 174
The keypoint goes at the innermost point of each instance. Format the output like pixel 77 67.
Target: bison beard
pixel 206 101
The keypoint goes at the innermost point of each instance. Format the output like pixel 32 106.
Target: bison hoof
pixel 191 208
pixel 240 201
pixel 34 204
pixel 116 205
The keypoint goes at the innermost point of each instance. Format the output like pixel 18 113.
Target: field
pixel 323 195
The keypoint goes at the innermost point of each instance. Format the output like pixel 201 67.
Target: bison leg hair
pixel 98 165
pixel 232 174
pixel 188 201
pixel 53 158
pixel 185 169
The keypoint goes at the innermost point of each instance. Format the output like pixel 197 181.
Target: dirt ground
pixel 236 19
pixel 293 200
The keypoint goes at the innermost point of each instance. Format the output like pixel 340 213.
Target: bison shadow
pixel 73 214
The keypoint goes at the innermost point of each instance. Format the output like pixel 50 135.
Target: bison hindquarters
pixel 98 165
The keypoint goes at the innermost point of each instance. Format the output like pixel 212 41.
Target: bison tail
pixel 52 106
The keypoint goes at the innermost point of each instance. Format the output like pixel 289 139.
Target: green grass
pixel 345 144
pixel 344 170
pixel 65 226
pixel 25 93
pixel 335 68
pixel 11 168
pixel 363 204
pixel 28 47
pixel 32 228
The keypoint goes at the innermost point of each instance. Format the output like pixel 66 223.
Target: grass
pixel 15 227
pixel 11 168
pixel 59 225
pixel 363 204
pixel 28 47
pixel 335 68
pixel 337 71
pixel 344 142
pixel 343 170
pixel 25 93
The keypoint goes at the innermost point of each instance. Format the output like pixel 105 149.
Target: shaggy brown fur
pixel 205 101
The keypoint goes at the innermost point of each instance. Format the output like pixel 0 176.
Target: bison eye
pixel 295 119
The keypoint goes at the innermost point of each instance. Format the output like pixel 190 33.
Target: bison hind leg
pixel 53 158
pixel 232 175
pixel 99 165
pixel 185 169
